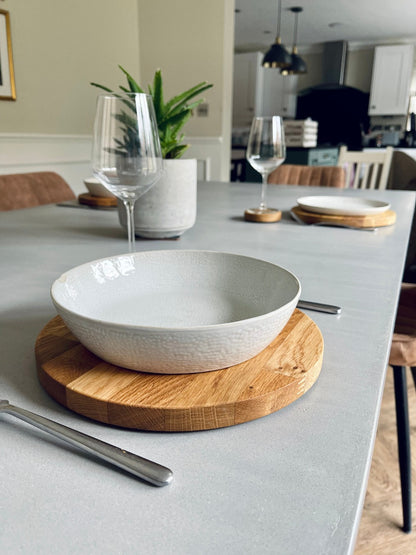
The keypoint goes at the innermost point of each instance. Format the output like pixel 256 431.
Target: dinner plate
pixel 342 205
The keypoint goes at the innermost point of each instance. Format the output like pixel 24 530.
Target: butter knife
pixel 145 469
pixel 319 307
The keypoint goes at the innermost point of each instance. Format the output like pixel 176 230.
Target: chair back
pixel 24 190
pixel 366 170
pixel 323 176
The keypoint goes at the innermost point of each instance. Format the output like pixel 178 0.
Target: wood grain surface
pixel 375 220
pixel 380 531
pixel 91 200
pixel 84 383
pixel 266 217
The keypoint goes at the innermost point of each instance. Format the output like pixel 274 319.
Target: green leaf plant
pixel 172 115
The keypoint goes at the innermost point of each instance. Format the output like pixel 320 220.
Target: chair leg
pixel 403 440
pixel 413 371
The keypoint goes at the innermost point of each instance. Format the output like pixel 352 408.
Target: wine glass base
pixel 264 215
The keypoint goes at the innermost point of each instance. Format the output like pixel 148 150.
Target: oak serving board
pixel 380 219
pixel 92 200
pixel 84 383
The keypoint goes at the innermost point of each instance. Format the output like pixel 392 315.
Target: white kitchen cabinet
pixel 248 87
pixel 279 93
pixel 260 91
pixel 390 83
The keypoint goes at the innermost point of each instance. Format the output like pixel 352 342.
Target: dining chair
pixel 402 355
pixel 366 170
pixel 324 176
pixel 25 190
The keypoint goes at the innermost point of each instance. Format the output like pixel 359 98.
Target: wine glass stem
pixel 263 204
pixel 129 204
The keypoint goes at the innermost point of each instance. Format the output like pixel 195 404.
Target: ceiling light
pixel 277 55
pixel 297 65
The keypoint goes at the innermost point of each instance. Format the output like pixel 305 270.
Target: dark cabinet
pixel 319 156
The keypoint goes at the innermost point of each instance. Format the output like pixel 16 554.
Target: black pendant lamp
pixel 297 65
pixel 277 55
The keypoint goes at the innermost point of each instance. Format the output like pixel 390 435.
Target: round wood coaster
pixel 374 220
pixel 92 200
pixel 84 383
pixel 265 216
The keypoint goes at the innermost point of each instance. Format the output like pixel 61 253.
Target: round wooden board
pixel 374 220
pixel 84 383
pixel 91 200
pixel 263 216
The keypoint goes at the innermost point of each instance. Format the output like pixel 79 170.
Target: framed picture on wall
pixel 7 86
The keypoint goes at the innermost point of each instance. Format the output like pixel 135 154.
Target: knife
pixel 145 469
pixel 319 307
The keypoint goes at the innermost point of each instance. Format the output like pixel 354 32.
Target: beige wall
pixel 60 46
pixel 360 68
pixel 187 39
pixel 192 41
pixel 314 75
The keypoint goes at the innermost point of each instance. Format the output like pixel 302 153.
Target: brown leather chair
pixel 402 355
pixel 24 190
pixel 323 176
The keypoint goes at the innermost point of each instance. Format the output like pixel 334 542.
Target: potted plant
pixel 169 207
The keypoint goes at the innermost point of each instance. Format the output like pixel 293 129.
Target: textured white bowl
pixel 175 312
pixel 96 188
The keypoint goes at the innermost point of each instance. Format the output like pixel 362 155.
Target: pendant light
pixel 297 65
pixel 277 55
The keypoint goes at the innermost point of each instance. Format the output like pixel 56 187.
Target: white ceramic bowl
pixel 96 189
pixel 175 312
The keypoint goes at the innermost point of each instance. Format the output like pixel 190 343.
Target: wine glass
pixel 266 150
pixel 126 157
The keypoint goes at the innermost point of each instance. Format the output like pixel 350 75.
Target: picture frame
pixel 7 84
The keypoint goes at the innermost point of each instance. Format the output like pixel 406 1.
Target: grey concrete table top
pixel 290 483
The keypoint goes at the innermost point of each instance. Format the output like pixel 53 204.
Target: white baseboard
pixel 70 156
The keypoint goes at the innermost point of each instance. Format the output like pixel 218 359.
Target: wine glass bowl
pixel 127 157
pixel 266 150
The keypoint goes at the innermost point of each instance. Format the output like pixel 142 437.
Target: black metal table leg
pixel 403 439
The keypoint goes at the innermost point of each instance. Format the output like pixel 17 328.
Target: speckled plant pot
pixel 168 209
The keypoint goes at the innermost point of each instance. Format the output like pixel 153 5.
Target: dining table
pixel 291 482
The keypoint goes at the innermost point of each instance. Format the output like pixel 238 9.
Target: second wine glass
pixel 127 156
pixel 266 150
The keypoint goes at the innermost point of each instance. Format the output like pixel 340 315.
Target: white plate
pixel 343 206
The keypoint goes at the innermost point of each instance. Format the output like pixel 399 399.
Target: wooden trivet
pixel 84 383
pixel 92 200
pixel 374 220
pixel 264 216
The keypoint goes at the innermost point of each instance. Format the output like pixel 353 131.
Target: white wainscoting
pixel 70 156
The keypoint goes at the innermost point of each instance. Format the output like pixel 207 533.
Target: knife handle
pixel 319 307
pixel 145 469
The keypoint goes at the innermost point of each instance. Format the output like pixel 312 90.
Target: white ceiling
pixel 361 22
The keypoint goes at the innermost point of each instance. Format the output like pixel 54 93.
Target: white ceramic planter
pixel 168 209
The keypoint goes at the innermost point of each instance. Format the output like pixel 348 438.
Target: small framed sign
pixel 7 85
